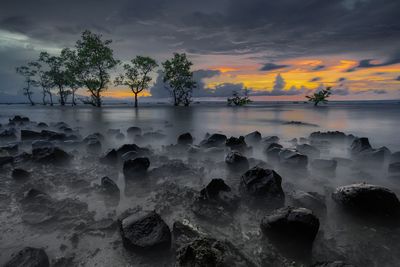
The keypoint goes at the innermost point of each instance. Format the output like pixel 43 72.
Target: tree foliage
pixel 136 75
pixel 179 79
pixel 239 100
pixel 94 60
pixel 320 97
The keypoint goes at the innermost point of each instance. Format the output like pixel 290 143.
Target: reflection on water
pixel 378 121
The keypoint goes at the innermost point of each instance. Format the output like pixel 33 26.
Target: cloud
pixel 315 79
pixel 272 66
pixel 341 79
pixel 319 67
pixel 398 78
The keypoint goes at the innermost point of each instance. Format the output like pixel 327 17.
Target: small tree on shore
pixel 136 75
pixel 94 60
pixel 44 81
pixel 239 100
pixel 320 97
pixel 29 73
pixel 72 70
pixel 179 79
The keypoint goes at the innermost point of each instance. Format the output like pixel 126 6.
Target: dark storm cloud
pixel 272 66
pixel 263 29
pixel 319 67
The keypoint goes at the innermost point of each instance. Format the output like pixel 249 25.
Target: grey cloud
pixel 315 79
pixel 319 67
pixel 398 78
pixel 272 66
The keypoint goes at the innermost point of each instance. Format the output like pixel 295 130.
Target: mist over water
pixel 176 176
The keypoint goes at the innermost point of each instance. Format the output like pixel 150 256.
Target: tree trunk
pixel 136 102
pixel 51 98
pixel 62 100
pixel 30 99
pixel 73 98
pixel 44 98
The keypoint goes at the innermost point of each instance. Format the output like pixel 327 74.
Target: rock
pixel 120 136
pixel 129 155
pixel 215 140
pixel 185 139
pixel 271 146
pixel 19 119
pixel 395 157
pixel 270 139
pixel 110 157
pixel 360 145
pixel 310 200
pixel 127 148
pixel 205 251
pixel 8 135
pixel 10 148
pixel 331 136
pixel 53 155
pixel 273 154
pixel 93 146
pixel 113 131
pixel 20 174
pixel 332 264
pixel 236 143
pixel 109 187
pixel 53 136
pixel 132 131
pixel 6 160
pixel 343 161
pixel 263 183
pixel 42 125
pixel 215 152
pixel 29 257
pixel 30 135
pixel 373 157
pixel 215 200
pixel 236 161
pixel 371 200
pixel 292 159
pixel 394 167
pixel 184 233
pixel 145 232
pixel 94 136
pixel 253 137
pixel 308 150
pixel 42 144
pixel 135 166
pixel 328 165
pixel 291 229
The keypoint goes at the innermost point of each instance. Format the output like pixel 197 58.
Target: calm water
pixel 378 121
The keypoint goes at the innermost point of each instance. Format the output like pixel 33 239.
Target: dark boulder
pixel 372 157
pixel 310 200
pixel 395 157
pixel 30 135
pixel 120 136
pixel 42 144
pixel 394 167
pixel 19 119
pixel 236 161
pixel 185 139
pixel 253 137
pixel 8 135
pixel 273 154
pixel 20 174
pixel 331 136
pixel 12 149
pixel 270 139
pixel 93 146
pixel 332 264
pixel 129 155
pixel 368 199
pixel 133 131
pixel 6 160
pixel 29 257
pixel 53 136
pixel 113 131
pixel 360 145
pixel 328 165
pixel 136 166
pixel 308 150
pixel 263 183
pixel 52 155
pixel 238 144
pixel 215 140
pixel 145 232
pixel 94 136
pixel 42 125
pixel 292 159
pixel 291 229
pixel 110 157
pixel 109 187
pixel 127 148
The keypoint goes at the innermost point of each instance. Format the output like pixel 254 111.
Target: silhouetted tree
pixel 239 100
pixel 321 96
pixel 136 76
pixel 72 71
pixel 179 78
pixel 57 74
pixel 29 73
pixel 44 81
pixel 94 59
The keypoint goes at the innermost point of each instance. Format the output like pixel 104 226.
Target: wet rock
pixel 120 136
pixel 127 148
pixel 53 155
pixel 273 154
pixel 253 137
pixel 145 232
pixel 110 157
pixel 93 146
pixel 332 264
pixel 20 174
pixel 308 150
pixel 109 187
pixel 395 157
pixel 29 257
pixel 8 135
pixel 129 155
pixel 328 165
pixel 133 131
pixel 270 139
pixel 53 136
pixel 42 125
pixel 270 147
pixel 291 229
pixel 42 144
pixel 394 167
pixel 113 131
pixel 19 119
pixel 360 145
pixel 136 166
pixel 215 140
pixel 22 157
pixel 6 160
pixel 264 183
pixel 184 233
pixel 185 139
pixel 368 199
pixel 332 136
pixel 292 159
pixel 236 161
pixel 205 251
pixel 94 136
pixel 10 148
pixel 215 201
pixel 238 144
pixel 310 200
pixel 30 135
pixel 373 157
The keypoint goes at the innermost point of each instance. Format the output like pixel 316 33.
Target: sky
pixel 278 50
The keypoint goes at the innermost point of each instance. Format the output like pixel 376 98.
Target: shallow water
pixel 165 191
